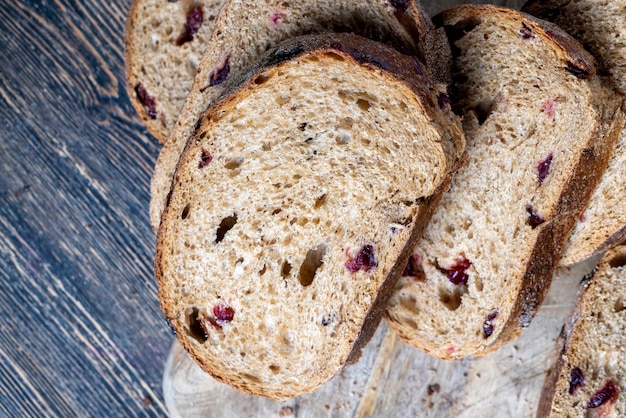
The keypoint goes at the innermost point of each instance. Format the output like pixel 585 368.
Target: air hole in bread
pixel 285 269
pixel 185 212
pixel 263 270
pixel 195 329
pixel 274 369
pixel 169 30
pixel 226 225
pixel 276 211
pixel 251 378
pixel 618 261
pixel 312 262
pixel 451 300
pixel 261 79
pixel 233 163
pixel 320 201
pixel 363 104
pixel 408 302
pixel 478 283
pixel 335 56
pixel 619 305
pixel 482 111
pixel 342 139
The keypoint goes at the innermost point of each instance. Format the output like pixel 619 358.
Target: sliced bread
pixel 588 378
pixel 294 207
pixel 165 41
pixel 601 26
pixel 245 29
pixel 540 128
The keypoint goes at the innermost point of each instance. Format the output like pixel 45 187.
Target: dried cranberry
pixel 219 75
pixel 221 314
pixel 456 273
pixel 543 169
pixel 205 158
pixel 549 107
pixel 276 18
pixel 489 324
pixel 607 394
pixel 365 260
pixel 534 219
pixel 577 380
pixel 146 100
pixel 414 268
pixel 526 32
pixel 192 25
pixel 399 5
pixel 443 100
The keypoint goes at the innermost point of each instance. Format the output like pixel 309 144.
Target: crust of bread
pixel 573 197
pixel 563 354
pixel 430 44
pixel 375 57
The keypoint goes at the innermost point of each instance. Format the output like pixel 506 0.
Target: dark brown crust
pixel 371 55
pixel 574 52
pixel 563 342
pixel 578 189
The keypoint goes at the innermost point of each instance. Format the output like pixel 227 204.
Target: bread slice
pixel 246 29
pixel 601 26
pixel 293 209
pixel 165 41
pixel 589 375
pixel 540 128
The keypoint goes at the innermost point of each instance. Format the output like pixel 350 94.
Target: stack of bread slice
pixel 293 195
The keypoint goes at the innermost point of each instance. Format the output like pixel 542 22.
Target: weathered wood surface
pixel 81 332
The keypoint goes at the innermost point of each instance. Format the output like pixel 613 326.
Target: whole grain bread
pixel 294 207
pixel 165 41
pixel 244 30
pixel 601 26
pixel 540 128
pixel 588 378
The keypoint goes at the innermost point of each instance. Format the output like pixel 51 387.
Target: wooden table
pixel 81 332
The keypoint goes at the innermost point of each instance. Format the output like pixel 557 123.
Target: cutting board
pixel 393 379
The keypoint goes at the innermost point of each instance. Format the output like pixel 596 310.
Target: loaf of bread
pixel 588 378
pixel 601 26
pixel 246 29
pixel 165 41
pixel 294 207
pixel 540 129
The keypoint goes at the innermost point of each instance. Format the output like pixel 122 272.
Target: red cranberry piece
pixel 219 75
pixel 205 158
pixel 414 268
pixel 192 25
pixel 456 273
pixel 543 169
pixel 534 219
pixel 490 324
pixel 365 260
pixel 146 100
pixel 577 380
pixel 526 32
pixel 223 313
pixel 399 5
pixel 276 18
pixel 605 395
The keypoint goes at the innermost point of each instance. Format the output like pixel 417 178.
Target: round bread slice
pixel 165 41
pixel 588 378
pixel 540 129
pixel 293 207
pixel 601 27
pixel 245 30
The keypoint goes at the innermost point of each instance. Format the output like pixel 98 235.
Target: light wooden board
pixel 393 379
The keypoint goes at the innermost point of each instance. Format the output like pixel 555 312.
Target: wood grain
pixel 81 332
